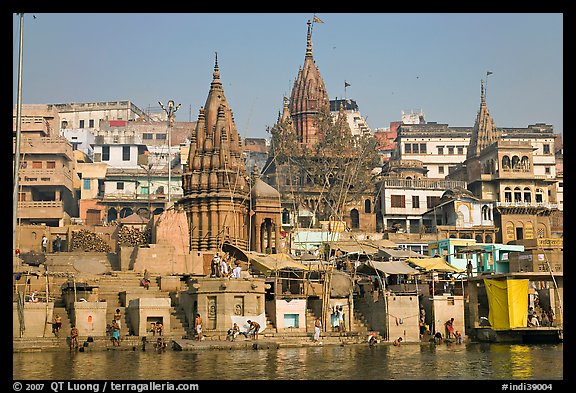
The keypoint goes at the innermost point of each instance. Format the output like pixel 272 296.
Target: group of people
pixel 56 244
pixel 253 329
pixel 156 328
pixel 545 319
pixel 338 319
pixel 225 266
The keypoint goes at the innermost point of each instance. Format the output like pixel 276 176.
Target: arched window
pixel 515 162
pixel 488 239
pixel 525 163
pixel 527 195
pixel 478 239
pixel 485 212
pixel 505 162
pixel 507 194
pixel 367 206
pixel 517 194
pixel 355 218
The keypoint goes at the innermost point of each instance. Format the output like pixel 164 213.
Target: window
pixel 36 164
pixel 507 194
pixel 398 201
pixel 64 124
pixel 51 164
pixel 105 153
pixel 147 136
pixel 546 148
pixel 161 136
pixel 527 195
pixel 440 150
pixel 432 201
pixel 91 123
pixel 422 148
pixel 441 169
pixel 415 148
pixel 517 195
pixel 460 150
pixel 451 150
pixel 415 202
pixel 408 148
pixel 367 206
pixel 120 185
pixel 81 123
pixel 86 184
pixel 547 170
pixel 125 153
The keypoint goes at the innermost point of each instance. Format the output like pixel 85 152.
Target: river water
pixel 470 361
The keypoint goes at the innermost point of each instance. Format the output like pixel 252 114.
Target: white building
pixel 356 121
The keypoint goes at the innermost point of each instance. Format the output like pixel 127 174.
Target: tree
pixel 335 172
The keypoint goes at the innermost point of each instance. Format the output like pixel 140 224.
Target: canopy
pixel 398 254
pixel 508 303
pixel 434 264
pixel 235 252
pixel 392 267
pixel 267 263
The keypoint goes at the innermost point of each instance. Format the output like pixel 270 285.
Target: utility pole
pixel 18 132
pixel 170 113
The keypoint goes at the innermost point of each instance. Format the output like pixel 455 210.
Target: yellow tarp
pixel 508 303
pixel 435 263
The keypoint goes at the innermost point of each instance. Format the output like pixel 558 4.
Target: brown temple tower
pixel 216 192
pixel 308 98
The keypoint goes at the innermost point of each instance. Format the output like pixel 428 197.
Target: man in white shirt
pixel 223 268
pixel 236 271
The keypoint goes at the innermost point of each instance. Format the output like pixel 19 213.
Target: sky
pixel 393 63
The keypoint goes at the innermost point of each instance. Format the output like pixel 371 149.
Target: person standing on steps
pixel 117 317
pixel 198 327
pixel 73 338
pixel 317 328
pixel 44 244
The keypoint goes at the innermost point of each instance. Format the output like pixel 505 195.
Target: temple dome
pixel 263 190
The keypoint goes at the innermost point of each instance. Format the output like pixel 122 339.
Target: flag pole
pixel 486 88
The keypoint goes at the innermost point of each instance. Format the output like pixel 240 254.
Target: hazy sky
pixel 394 62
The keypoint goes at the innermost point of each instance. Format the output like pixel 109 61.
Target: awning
pixel 391 267
pixel 398 254
pixel 235 252
pixel 268 263
pixel 433 264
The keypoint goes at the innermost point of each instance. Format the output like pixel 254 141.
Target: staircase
pixel 111 287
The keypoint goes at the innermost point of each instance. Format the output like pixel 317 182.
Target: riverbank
pixel 133 343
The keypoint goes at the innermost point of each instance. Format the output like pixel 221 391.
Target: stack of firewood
pixel 129 236
pixel 88 241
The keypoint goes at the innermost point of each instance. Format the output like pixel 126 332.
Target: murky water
pixel 350 362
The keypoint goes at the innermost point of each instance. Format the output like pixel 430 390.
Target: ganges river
pixel 469 361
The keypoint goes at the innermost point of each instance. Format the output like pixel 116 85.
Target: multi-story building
pixel 461 215
pixel 87 115
pixel 404 194
pixel 439 147
pixel 136 181
pixel 47 175
pixel 356 121
pixel 511 173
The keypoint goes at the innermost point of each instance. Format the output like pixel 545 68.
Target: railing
pixel 527 204
pixel 424 183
